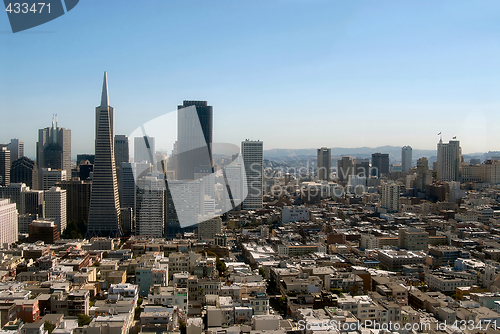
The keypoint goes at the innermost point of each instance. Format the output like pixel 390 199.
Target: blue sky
pixel 293 73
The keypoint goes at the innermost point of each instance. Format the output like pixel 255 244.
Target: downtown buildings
pixel 53 149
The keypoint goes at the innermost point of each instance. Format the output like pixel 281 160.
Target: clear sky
pixel 293 73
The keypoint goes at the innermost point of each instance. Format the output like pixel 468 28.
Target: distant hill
pixel 366 152
pixel 356 152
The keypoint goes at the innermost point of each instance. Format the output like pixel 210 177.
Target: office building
pixel 29 203
pixel 234 177
pixel 77 199
pixel 104 212
pixel 390 197
pixel 188 201
pixel 24 170
pixel 55 207
pixel 144 149
pixel 85 170
pixel 413 239
pixel 150 206
pixel 362 167
pixel 252 152
pixel 43 230
pixel 8 223
pixel 345 168
pixel 33 202
pixel 324 163
pixel 172 223
pixel 16 148
pixel 121 150
pixel 395 260
pixel 126 186
pixel 53 149
pixel 424 176
pixel 208 229
pixel 449 159
pixel 4 166
pixel 48 177
pixel 194 141
pixel 380 164
pixel 406 156
pixel 127 220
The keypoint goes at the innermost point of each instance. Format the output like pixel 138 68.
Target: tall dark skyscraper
pixel 380 164
pixel 53 149
pixel 126 186
pixel 192 153
pixel 189 153
pixel 77 199
pixel 24 170
pixel 104 212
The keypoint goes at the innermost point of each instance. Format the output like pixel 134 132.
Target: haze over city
pixel 299 74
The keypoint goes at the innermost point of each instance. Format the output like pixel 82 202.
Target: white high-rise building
pixel 55 207
pixel 150 206
pixel 104 212
pixel 449 158
pixel 390 197
pixel 253 154
pixel 406 156
pixel 8 223
pixel 49 177
pixel 27 201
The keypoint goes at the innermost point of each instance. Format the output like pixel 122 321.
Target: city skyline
pixel 426 67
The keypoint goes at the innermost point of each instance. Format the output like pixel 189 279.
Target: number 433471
pixel 24 8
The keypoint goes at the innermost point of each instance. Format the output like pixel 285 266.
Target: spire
pixel 104 96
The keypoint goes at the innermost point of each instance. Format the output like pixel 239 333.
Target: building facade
pixel 449 158
pixel 406 158
pixel 104 211
pixel 8 223
pixel 324 163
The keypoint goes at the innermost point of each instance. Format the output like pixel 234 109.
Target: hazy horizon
pixel 294 74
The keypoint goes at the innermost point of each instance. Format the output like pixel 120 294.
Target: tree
pixel 262 272
pixel 75 230
pixel 48 326
pixel 221 267
pixel 182 326
pixel 83 320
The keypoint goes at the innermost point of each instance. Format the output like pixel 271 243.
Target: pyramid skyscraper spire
pixel 104 95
